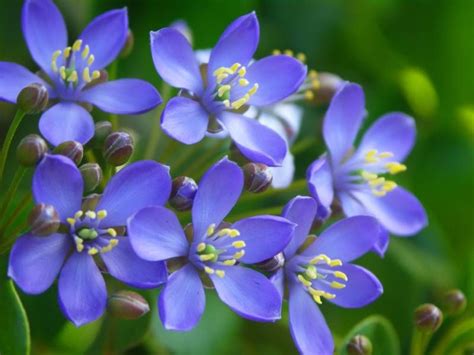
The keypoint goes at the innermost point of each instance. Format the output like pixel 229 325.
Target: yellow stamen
pixel 92 251
pixel 276 52
pixel 340 275
pixel 238 244
pixel 389 186
pixel 239 254
pixel 54 66
pixel 240 102
pixel 311 272
pixel 85 52
pixel 62 72
pixel 112 232
pixel 243 82
pixel 76 47
pixel 95 74
pixel 67 52
pixel 253 90
pixel 86 75
pixel 71 221
pixel 337 285
pixel 234 67
pixel 242 71
pixel 288 52
pixel 220 273
pixel 226 103
pixel 223 90
pixel 234 233
pixel 395 168
pixel 301 57
pixel 101 214
pixel 208 270
pixel 313 74
pixel 308 95
pixel 379 193
pixel 320 257
pixel 371 156
pixel 229 262
pixel 78 214
pixel 72 78
pixel 91 214
pixel 90 60
pixel 220 78
pixel 329 296
pixel 304 281
pixel 211 229
pixel 377 182
pixel 113 242
pixel 206 257
pixel 335 262
pixel 200 247
pixel 385 155
pixel 368 176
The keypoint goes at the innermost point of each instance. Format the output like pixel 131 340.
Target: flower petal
pixel 308 327
pixel 236 45
pixel 278 76
pixel 124 264
pixel 282 176
pixel 123 97
pixel 248 293
pixel 44 30
pixel 182 301
pixel 264 236
pixel 362 287
pixel 82 292
pixel 343 119
pixel 174 60
pixel 301 210
pixel 106 35
pixel 184 120
pixel 156 234
pixel 58 182
pixel 394 132
pixel 257 142
pixel 381 246
pixel 141 184
pixel 218 192
pixel 13 78
pixel 398 211
pixel 347 239
pixel 66 121
pixel 320 185
pixel 278 280
pixel 35 261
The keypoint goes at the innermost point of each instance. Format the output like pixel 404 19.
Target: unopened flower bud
pixel 428 318
pixel 33 98
pixel 71 149
pixel 454 302
pixel 90 202
pixel 128 46
pixel 359 345
pixel 329 84
pixel 92 175
pixel 257 177
pixel 272 264
pixel 44 220
pixel 183 192
pixel 31 150
pixel 127 305
pixel 101 132
pixel 118 148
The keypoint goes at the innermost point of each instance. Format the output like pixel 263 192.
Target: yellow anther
pixel 200 247
pixel 71 221
pixel 85 52
pixel 113 242
pixel 335 262
pixel 239 254
pixel 308 95
pixel 238 244
pixel 226 103
pixel 288 52
pixel 95 74
pixel 92 251
pixel 340 275
pixel 112 232
pixel 101 214
pixel 240 102
pixel 234 233
pixel 304 281
pixel 220 273
pixel 67 52
pixel 206 257
pixel 223 90
pixel 242 71
pixel 389 186
pixel 313 74
pixel 234 68
pixel 78 214
pixel 220 78
pixel 379 193
pixel 385 155
pixel 316 84
pixel 208 270
pixel 276 52
pixel 253 90
pixel 317 299
pixel 91 214
pixel 316 295
pixel 311 272
pixel 86 75
pixel 222 70
pixel 76 47
pixel 105 249
pixel 329 296
pixel 211 229
pixel 301 57
pixel 320 257
pixel 79 244
pixel 377 182
pixel 90 60
pixel 337 285
pixel 243 82
pixel 62 72
pixel 56 54
pixel 72 78
pixel 229 262
pixel 395 168
pixel 371 156
pixel 223 232
pixel 368 176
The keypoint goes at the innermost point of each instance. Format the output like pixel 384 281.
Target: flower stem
pixel 8 140
pixel 19 174
pixel 419 342
pixel 201 163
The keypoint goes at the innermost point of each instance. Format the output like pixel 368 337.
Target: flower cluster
pixel 108 216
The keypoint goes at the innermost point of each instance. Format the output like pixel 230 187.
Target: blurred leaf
pixel 380 332
pixel 74 340
pixel 15 330
pixel 465 116
pixel 419 92
pixel 460 336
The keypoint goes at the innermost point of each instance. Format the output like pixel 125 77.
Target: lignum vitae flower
pixel 359 178
pixel 321 271
pixel 35 261
pixel 70 71
pixel 217 94
pixel 215 252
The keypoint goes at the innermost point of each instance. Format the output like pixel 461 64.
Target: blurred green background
pixel 414 56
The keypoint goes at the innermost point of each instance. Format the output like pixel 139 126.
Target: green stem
pixel 155 127
pixel 8 140
pixel 419 342
pixel 200 164
pixel 19 174
pixel 297 186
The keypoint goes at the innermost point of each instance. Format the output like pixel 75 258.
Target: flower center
pixel 319 272
pixel 72 64
pixel 87 234
pixel 220 248
pixel 231 77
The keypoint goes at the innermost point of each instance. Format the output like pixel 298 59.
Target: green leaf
pixel 74 340
pixel 457 339
pixel 419 92
pixel 380 332
pixel 15 330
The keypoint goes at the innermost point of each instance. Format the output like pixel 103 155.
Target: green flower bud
pixel 128 46
pixel 90 202
pixel 44 220
pixel 127 305
pixel 118 148
pixel 33 98
pixel 257 177
pixel 454 302
pixel 92 175
pixel 329 84
pixel 359 345
pixel 183 192
pixel 71 149
pixel 428 318
pixel 102 130
pixel 31 150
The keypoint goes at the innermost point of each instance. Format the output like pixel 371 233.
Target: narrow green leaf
pixel 454 342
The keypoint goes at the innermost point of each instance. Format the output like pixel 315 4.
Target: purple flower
pixel 71 69
pixel 215 251
pixel 321 271
pixel 358 177
pixel 36 261
pixel 218 93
